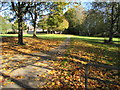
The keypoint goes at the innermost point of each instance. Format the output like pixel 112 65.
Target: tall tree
pixel 43 23
pixel 20 9
pixel 112 12
pixel 75 17
pixel 5 25
pixel 36 12
pixel 56 14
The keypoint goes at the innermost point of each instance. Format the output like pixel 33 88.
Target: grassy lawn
pixel 93 48
pixel 39 35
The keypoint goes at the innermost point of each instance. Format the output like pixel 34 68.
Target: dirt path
pixel 32 74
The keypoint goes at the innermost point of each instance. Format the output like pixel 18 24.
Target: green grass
pixel 50 36
pixel 95 46
pixel 98 39
pixel 47 36
pixel 99 42
pixel 95 39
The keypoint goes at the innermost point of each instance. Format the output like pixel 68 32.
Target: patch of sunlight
pixel 51 72
pixel 77 60
pixel 41 64
pixel 107 47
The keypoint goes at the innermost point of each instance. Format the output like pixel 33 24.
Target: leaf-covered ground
pixel 85 51
pixel 65 69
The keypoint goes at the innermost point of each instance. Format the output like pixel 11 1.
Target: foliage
pixel 43 23
pixel 5 25
pixel 56 15
pixel 111 12
pixel 15 26
pixel 57 23
pixel 94 24
pixel 62 26
pixel 75 17
pixel 54 20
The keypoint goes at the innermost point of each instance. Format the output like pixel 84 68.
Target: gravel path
pixel 29 74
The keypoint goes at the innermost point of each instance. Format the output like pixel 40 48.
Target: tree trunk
pixel 34 32
pixel 20 32
pixel 112 25
pixel 43 30
pixel 118 19
pixel 35 19
pixel 20 20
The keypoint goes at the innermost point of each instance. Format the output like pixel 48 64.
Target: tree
pixel 35 12
pixel 43 23
pixel 54 21
pixel 112 12
pixel 15 26
pixel 62 26
pixel 20 9
pixel 56 14
pixel 75 17
pixel 5 25
pixel 94 23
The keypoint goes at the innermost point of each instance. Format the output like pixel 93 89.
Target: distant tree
pixel 75 17
pixel 94 23
pixel 15 26
pixel 56 14
pixel 43 23
pixel 62 26
pixel 112 12
pixel 37 9
pixel 54 21
pixel 5 25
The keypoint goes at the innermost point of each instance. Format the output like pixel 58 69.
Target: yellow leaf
pixel 52 72
pixel 53 83
pixel 57 82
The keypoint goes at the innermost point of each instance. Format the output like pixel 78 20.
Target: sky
pixel 85 5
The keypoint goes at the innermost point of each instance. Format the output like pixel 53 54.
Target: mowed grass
pixel 47 36
pixel 93 48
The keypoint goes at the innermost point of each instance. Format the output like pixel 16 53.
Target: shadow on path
pixel 21 84
pixel 31 70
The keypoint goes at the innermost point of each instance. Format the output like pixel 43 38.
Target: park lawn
pixel 45 36
pixel 93 48
pixel 68 74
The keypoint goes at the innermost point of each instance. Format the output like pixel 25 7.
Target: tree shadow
pixel 102 51
pixel 6 39
pixel 42 58
pixel 50 54
pixel 101 41
pixel 21 84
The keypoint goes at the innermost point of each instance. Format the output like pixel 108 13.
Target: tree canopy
pixel 102 19
pixel 75 17
pixel 5 25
